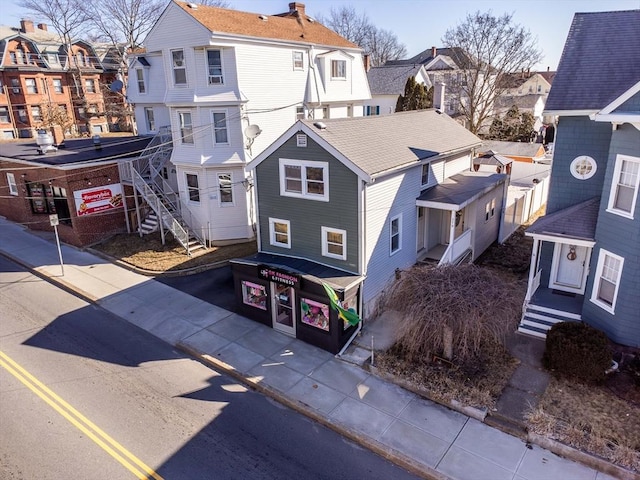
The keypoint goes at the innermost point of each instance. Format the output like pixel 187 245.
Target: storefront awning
pixel 337 279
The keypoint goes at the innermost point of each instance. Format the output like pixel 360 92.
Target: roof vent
pixel 193 6
pixel 320 125
pixel 310 20
pixel 264 18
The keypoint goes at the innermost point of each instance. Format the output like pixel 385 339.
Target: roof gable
pixel 292 26
pixel 375 146
pixel 391 80
pixel 600 61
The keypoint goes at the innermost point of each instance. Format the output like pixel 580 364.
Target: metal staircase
pixel 145 175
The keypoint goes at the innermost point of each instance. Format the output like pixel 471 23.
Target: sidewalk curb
pixel 390 454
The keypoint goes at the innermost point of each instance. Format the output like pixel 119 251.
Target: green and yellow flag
pixel 350 316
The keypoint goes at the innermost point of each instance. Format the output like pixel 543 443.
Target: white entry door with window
pixel 569 268
pixel 284 316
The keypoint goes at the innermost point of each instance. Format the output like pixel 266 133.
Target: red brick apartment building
pixel 79 183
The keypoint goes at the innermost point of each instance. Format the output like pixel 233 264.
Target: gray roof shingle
pixel 600 61
pixel 577 221
pixel 522 149
pixel 391 80
pixel 379 144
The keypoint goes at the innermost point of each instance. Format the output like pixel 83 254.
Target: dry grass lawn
pixel 149 254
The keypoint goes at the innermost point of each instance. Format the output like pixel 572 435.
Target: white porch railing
pixel 457 248
pixel 533 286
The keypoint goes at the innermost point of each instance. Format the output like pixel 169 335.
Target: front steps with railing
pixel 150 224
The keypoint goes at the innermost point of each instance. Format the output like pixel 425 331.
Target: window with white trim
pixel 57 85
pixel 299 113
pixel 140 79
pixel 427 175
pixel 186 127
pixel 279 232
pixel 4 114
pixel 193 188
pixel 338 69
pixel 304 179
pixel 214 67
pixel 90 85
pixel 395 234
pixel 489 209
pixel 179 67
pixel 36 113
pixel 13 187
pixel 53 58
pixel 624 190
pixel 15 85
pixel 31 85
pixel 334 243
pixel 298 61
pixel 148 115
pixel 226 189
pixel 607 280
pixel 220 133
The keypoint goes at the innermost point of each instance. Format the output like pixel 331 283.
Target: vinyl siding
pixel 307 216
pixel 577 136
pixel 385 199
pixel 486 232
pixel 387 103
pixel 620 236
pixel 632 105
pixel 177 28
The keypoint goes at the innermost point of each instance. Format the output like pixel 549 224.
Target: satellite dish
pixel 116 86
pixel 252 131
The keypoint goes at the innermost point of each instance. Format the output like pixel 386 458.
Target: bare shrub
pixel 472 307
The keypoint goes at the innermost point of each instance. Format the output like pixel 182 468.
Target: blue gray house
pixel 349 202
pixel 585 264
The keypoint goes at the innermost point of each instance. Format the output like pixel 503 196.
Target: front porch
pixel 547 307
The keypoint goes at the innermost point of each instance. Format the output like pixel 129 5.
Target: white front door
pixel 284 319
pixel 569 268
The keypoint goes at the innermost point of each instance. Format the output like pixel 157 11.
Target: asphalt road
pixel 84 394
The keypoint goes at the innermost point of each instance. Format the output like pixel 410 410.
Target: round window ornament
pixel 583 167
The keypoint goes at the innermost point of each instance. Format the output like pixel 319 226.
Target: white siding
pixel 385 199
pixel 387 103
pixel 176 28
pixel 457 165
pixel 160 116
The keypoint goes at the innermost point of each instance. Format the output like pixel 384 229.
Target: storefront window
pixel 315 314
pixel 254 295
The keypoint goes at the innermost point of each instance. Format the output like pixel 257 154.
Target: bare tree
pixel 381 45
pixel 486 48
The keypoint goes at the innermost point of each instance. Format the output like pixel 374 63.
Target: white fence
pixel 522 203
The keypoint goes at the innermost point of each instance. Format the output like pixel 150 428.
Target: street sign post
pixel 55 221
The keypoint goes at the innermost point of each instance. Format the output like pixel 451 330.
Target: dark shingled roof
pixel 463 187
pixel 424 57
pixel 600 61
pixel 391 80
pixel 577 221
pixel 76 150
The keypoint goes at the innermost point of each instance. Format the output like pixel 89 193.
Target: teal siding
pixel 631 105
pixel 577 136
pixel 308 216
pixel 621 236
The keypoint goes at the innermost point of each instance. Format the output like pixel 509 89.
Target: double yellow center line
pixel 108 444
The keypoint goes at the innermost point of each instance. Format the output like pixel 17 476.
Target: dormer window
pixel 80 58
pixel 179 67
pixel 338 69
pixel 214 63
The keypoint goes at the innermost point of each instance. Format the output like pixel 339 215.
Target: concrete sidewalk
pixel 424 437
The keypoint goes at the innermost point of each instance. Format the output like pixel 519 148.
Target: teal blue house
pixel 585 264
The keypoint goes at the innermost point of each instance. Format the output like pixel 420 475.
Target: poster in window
pixel 315 314
pixel 38 201
pixel 98 199
pixel 254 295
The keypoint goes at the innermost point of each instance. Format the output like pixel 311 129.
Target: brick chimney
pixel 434 52
pixel 367 62
pixel 43 26
pixel 297 7
pixel 26 26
